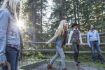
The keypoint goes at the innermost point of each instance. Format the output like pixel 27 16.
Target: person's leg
pixel 78 46
pixel 49 66
pixel 54 58
pixel 12 57
pixel 62 55
pixel 100 57
pixel 74 47
pixel 92 50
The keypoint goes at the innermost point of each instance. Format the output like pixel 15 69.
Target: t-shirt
pixel 13 34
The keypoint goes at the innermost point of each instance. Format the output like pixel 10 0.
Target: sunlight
pixel 21 25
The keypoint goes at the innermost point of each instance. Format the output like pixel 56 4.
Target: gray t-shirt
pixel 13 34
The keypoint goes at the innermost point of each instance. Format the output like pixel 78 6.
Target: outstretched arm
pixel 70 35
pixel 98 37
pixel 52 39
pixel 80 36
pixel 88 39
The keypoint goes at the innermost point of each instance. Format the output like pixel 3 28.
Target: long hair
pixel 4 5
pixel 60 30
pixel 11 5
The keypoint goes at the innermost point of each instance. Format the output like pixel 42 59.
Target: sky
pixel 50 4
pixel 48 11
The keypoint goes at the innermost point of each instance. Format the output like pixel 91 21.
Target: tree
pixel 33 9
pixel 85 12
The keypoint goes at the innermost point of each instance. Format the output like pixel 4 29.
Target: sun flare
pixel 21 24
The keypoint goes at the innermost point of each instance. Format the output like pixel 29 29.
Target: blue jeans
pixel 75 48
pixel 12 58
pixel 96 48
pixel 59 52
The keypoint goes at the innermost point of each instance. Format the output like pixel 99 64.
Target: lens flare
pixel 21 25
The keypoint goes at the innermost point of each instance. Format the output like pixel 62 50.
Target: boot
pixel 49 66
pixel 64 69
pixel 101 59
pixel 77 63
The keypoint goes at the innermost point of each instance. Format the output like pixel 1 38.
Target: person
pixel 93 40
pixel 12 33
pixel 4 21
pixel 76 40
pixel 60 40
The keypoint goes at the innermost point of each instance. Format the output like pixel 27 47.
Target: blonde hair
pixel 12 4
pixel 60 30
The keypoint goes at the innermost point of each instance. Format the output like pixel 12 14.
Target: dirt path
pixel 57 66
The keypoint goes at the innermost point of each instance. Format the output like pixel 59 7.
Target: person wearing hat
pixel 93 40
pixel 75 39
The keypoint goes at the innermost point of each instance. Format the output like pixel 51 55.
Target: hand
pixel 3 63
pixel 89 45
pixel 81 44
pixel 53 45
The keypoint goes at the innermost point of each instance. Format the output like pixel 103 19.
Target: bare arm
pixel 70 35
pixel 52 39
pixel 80 36
pixel 98 37
pixel 88 39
